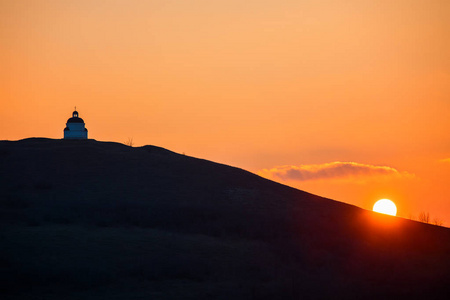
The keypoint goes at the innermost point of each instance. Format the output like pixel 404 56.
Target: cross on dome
pixel 75 113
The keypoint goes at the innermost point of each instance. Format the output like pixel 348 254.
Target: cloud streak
pixel 331 171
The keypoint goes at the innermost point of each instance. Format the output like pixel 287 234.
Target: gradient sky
pixel 345 99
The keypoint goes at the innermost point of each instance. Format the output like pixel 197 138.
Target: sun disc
pixel 385 206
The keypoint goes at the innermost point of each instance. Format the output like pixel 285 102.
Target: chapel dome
pixel 75 118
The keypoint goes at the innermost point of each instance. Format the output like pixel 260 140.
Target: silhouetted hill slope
pixel 101 220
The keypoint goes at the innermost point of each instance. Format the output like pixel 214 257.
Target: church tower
pixel 75 128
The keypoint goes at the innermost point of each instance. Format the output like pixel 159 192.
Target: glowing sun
pixel 385 206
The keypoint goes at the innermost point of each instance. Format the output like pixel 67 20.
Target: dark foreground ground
pixel 96 220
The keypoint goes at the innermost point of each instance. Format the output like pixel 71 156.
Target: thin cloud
pixel 331 171
pixel 445 160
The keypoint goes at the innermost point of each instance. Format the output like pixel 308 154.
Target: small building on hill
pixel 75 128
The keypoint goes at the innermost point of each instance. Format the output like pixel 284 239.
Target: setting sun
pixel 385 206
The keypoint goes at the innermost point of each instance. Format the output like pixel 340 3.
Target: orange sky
pixel 345 99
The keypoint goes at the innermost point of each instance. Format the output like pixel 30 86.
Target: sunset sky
pixel 349 100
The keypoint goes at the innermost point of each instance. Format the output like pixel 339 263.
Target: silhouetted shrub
pixel 424 217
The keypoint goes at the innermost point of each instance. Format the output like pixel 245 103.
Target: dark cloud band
pixel 334 170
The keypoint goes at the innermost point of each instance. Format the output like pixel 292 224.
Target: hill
pixel 101 220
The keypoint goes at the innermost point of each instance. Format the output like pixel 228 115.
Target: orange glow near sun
pixel 385 206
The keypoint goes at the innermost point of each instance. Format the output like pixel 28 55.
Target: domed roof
pixel 75 118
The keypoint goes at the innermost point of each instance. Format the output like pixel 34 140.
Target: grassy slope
pixel 87 219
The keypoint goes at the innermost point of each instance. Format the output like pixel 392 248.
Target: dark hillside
pixel 101 220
